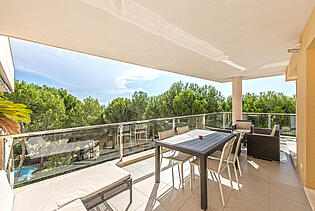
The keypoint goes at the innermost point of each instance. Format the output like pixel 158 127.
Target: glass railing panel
pixel 192 122
pixel 214 120
pixel 287 124
pixel 52 153
pixel 137 138
pixel 46 156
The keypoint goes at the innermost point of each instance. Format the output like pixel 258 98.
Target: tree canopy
pixel 55 108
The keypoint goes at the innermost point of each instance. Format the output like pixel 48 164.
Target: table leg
pixel 203 182
pixel 157 163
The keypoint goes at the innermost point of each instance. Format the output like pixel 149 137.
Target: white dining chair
pixel 175 157
pixel 216 166
pixel 233 158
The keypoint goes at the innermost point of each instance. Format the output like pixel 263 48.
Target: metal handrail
pixel 47 132
pixel 38 133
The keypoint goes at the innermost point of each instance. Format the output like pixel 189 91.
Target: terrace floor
pixel 264 186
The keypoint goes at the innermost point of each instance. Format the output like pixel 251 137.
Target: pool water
pixel 26 173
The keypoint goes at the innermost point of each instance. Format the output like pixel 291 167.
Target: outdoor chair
pixel 181 130
pixel 243 126
pixel 234 160
pixel 175 157
pixel 264 143
pixel 216 166
pixel 79 190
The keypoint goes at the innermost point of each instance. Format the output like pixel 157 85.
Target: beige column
pixel 236 99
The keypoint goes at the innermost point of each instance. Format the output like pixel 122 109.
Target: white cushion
pixel 57 192
pixel 6 193
pixel 76 205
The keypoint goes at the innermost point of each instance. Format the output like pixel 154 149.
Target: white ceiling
pixel 209 39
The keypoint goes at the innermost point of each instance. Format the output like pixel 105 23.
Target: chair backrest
pixel 226 152
pixel 238 145
pixel 166 134
pixel 244 124
pixel 274 130
pixel 181 130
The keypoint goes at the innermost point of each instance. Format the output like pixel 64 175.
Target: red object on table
pixel 200 137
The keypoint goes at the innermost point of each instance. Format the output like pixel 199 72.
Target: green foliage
pixel 59 160
pixel 119 110
pixel 56 108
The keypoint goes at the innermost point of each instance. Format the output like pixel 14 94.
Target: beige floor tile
pixel 193 204
pixel 251 196
pixel 288 192
pixel 278 203
pixel 149 188
pixel 255 181
pixel 264 185
pixel 214 196
pixel 173 199
pixel 286 180
pixel 121 201
pixel 151 205
pixel 136 175
pixel 242 205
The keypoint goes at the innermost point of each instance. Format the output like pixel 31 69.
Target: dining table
pixel 199 143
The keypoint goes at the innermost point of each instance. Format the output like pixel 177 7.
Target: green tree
pixel 138 105
pixel 118 110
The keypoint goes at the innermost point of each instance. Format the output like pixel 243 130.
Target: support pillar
pixel 236 99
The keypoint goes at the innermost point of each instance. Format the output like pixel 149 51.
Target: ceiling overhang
pixel 214 40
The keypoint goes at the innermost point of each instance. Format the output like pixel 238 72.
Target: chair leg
pixel 193 170
pixel 172 172
pixel 229 171
pixel 221 191
pixel 180 180
pixel 236 176
pixel 192 174
pixel 182 174
pixel 239 166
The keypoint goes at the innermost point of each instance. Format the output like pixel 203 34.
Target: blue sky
pixel 83 75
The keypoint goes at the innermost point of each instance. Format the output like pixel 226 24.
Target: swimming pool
pixel 26 173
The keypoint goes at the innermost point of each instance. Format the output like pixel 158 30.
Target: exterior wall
pixel 6 66
pixel 303 63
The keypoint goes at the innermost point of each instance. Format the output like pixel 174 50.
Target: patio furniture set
pixel 215 151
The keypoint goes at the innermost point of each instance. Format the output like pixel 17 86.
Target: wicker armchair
pixel 263 144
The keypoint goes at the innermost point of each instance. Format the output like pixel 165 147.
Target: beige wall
pixel 302 67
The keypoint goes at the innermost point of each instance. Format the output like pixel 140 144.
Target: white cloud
pixel 133 76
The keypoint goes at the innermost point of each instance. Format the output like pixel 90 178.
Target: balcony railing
pixel 45 154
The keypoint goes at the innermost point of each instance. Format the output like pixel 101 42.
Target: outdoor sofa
pixel 80 190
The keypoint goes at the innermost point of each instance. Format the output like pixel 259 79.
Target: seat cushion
pixel 76 205
pixel 242 131
pixel 244 125
pixel 212 164
pixel 6 193
pixel 59 191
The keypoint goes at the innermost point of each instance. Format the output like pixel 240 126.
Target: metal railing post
pixel 204 121
pixel 121 127
pixel 173 124
pixel 269 121
pixel 223 120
